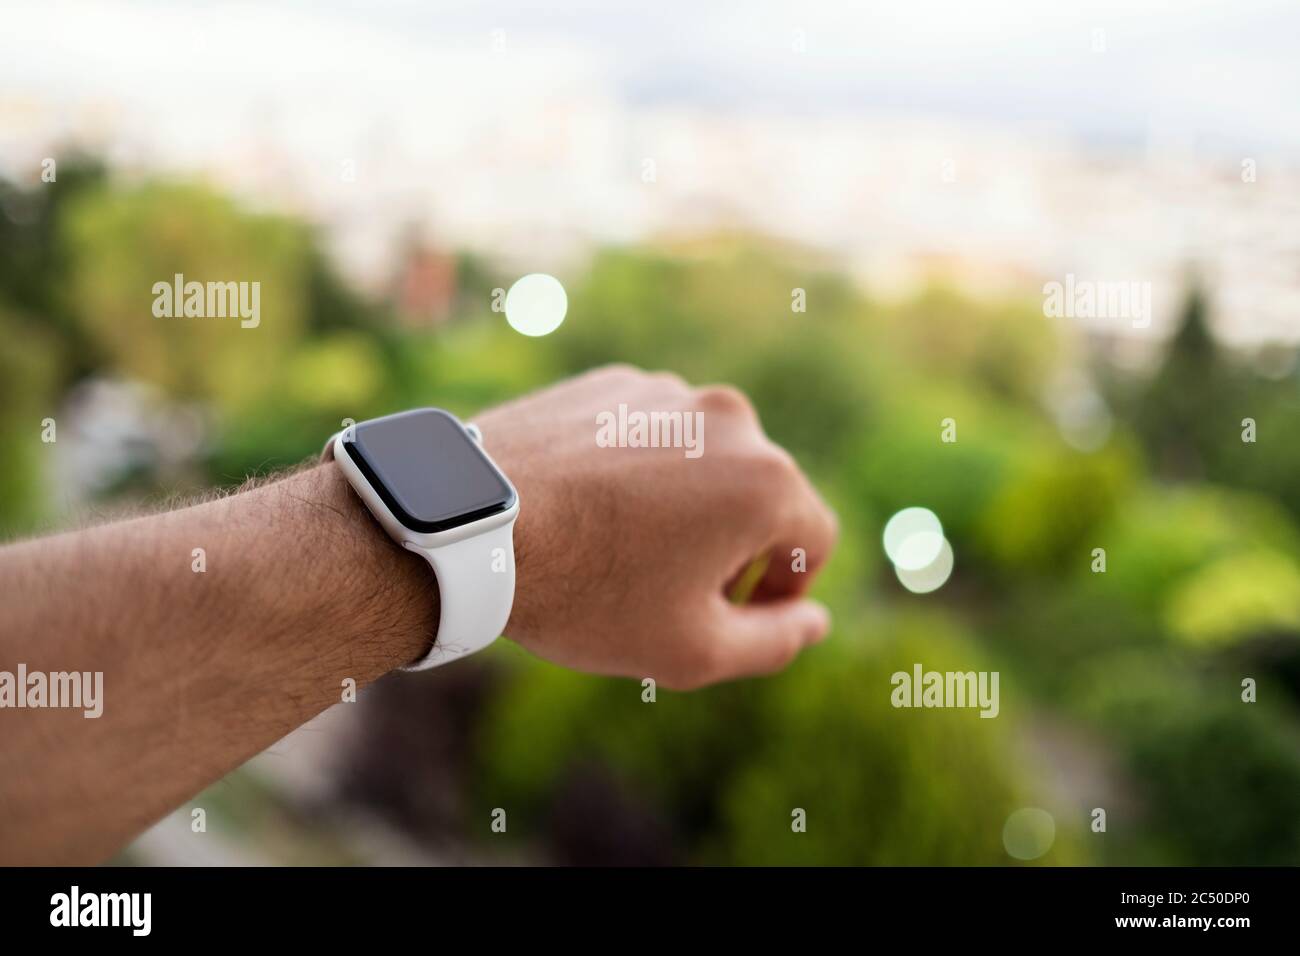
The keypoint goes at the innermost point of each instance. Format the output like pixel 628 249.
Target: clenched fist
pixel 625 553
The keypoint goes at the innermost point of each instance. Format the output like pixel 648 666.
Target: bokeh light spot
pixel 919 551
pixel 931 577
pixel 536 304
pixel 906 525
pixel 1029 833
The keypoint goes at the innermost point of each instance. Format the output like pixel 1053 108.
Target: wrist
pixel 430 486
pixel 378 594
pixel 530 592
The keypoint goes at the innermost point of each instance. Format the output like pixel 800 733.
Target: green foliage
pixel 1199 754
pixel 1048 507
pixel 1237 596
pixel 879 785
pixel 121 242
pixel 904 462
pixel 1203 555
pixel 29 367
pixel 1004 350
pixel 34 265
pixel 729 765
pixel 1160 538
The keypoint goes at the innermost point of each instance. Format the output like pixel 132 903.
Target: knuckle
pixel 774 465
pixel 762 478
pixel 769 477
pixel 726 400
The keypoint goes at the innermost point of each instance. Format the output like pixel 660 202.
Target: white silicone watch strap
pixel 476 589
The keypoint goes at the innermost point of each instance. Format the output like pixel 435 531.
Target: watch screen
pixel 428 470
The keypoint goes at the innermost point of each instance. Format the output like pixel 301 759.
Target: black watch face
pixel 428 470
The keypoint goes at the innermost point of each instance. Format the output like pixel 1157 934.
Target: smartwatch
pixel 426 478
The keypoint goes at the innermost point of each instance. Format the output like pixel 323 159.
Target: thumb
pixel 764 637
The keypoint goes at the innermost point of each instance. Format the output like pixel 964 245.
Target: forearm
pixel 201 669
pixel 624 558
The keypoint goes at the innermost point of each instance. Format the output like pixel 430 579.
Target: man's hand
pixel 624 555
pixel 623 559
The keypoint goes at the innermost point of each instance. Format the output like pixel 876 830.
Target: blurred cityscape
pixel 436 135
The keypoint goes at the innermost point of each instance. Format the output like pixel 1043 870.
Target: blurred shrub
pixel 1005 350
pixel 29 372
pixel 1200 756
pixel 1162 536
pixel 902 461
pixel 727 766
pixel 121 241
pixel 880 785
pixel 1044 515
pixel 1237 596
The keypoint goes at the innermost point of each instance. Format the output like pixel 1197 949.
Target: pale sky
pixel 523 130
pixel 1221 75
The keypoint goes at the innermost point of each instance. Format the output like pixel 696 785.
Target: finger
pixel 763 638
pixel 801 542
